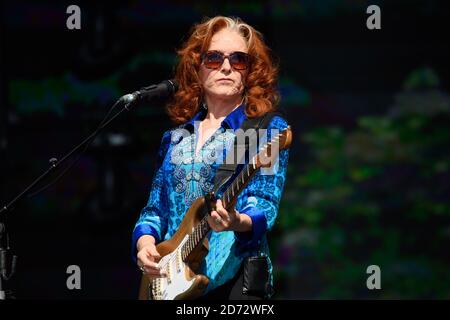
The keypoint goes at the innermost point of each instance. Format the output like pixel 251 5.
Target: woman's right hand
pixel 148 256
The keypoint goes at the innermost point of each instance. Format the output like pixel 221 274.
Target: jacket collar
pixel 233 120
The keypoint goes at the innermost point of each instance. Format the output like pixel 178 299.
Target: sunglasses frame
pixel 225 56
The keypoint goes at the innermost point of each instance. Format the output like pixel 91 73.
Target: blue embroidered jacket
pixel 182 176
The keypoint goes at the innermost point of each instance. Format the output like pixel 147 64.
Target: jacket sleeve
pixel 152 219
pixel 261 197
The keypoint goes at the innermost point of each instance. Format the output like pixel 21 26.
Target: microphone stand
pixel 54 163
pixel 4 276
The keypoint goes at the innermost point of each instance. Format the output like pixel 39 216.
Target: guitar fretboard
pixel 238 184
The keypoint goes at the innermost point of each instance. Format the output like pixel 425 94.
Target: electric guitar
pixel 182 255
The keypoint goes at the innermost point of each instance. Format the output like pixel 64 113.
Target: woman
pixel 225 75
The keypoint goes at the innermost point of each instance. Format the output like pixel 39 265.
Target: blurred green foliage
pixel 53 94
pixel 373 195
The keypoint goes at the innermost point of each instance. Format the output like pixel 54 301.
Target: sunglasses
pixel 214 59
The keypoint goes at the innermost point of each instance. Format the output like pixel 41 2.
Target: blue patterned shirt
pixel 182 176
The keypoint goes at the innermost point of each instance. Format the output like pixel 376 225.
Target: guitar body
pixel 182 282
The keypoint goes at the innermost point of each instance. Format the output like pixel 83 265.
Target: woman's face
pixel 213 80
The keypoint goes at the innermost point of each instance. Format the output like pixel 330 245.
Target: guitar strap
pixel 226 170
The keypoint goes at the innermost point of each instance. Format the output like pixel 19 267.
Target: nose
pixel 226 66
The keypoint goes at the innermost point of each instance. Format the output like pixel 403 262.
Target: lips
pixel 224 79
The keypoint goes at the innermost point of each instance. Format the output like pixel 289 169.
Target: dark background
pixel 368 173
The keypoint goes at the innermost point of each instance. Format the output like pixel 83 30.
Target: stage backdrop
pixel 368 178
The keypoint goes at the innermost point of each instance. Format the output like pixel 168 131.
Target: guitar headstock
pixel 279 142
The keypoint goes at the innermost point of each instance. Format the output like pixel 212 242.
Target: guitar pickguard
pixel 176 282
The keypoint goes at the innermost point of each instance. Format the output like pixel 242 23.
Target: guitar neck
pixel 230 195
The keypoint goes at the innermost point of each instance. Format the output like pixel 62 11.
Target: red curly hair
pixel 261 94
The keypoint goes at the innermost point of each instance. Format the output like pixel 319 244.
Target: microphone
pixel 162 90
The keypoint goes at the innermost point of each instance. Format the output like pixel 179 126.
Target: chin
pixel 223 92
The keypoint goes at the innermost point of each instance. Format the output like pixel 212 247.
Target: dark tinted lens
pixel 213 60
pixel 239 60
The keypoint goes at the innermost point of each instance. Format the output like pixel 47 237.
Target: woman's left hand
pixel 223 220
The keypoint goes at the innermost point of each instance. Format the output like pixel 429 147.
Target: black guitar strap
pixel 228 170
